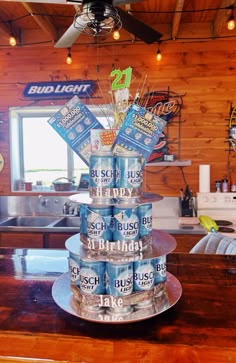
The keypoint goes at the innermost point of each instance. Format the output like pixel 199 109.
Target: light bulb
pixel 116 35
pixel 69 59
pixel 158 56
pixel 12 41
pixel 231 23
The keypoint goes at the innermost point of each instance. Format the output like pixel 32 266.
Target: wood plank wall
pixel 205 72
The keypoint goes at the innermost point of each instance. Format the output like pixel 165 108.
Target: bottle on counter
pixel 218 186
pixel 224 186
pixel 233 186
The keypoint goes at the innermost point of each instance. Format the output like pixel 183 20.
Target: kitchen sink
pixel 68 222
pixel 29 221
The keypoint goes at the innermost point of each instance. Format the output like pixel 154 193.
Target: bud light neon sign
pixel 64 89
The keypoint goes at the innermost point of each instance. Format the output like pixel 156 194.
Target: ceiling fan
pixel 99 17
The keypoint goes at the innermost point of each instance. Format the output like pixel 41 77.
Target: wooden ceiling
pixel 44 21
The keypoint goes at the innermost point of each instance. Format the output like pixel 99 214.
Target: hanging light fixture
pixel 69 58
pixel 231 20
pixel 116 35
pixel 12 39
pixel 231 23
pixel 159 55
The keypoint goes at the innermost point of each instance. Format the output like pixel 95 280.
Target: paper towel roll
pixel 204 179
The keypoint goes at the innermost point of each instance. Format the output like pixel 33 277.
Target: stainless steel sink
pixel 68 222
pixel 29 221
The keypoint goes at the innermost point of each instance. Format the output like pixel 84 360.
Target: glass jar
pixel 224 186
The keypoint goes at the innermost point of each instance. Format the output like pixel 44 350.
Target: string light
pixel 159 55
pixel 69 58
pixel 231 22
pixel 116 35
pixel 12 40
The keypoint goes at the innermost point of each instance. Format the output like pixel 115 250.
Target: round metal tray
pixel 162 244
pixel 145 197
pixel 63 297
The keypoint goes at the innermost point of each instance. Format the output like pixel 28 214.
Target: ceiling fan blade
pixel 138 28
pixel 69 37
pixel 124 2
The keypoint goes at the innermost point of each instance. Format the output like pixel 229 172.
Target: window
pixel 38 154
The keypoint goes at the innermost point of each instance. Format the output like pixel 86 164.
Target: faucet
pixel 68 208
pixel 43 201
pixel 71 208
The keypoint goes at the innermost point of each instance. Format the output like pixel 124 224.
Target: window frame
pixel 16 115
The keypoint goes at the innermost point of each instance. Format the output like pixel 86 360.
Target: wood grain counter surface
pixel 200 327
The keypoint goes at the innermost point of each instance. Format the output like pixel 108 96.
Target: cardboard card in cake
pixel 120 92
pixel 139 132
pixel 73 122
pixel 102 140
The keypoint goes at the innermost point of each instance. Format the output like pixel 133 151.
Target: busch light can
pixel 102 170
pixel 144 275
pixel 74 266
pixel 126 223
pixel 92 277
pixel 119 278
pixel 145 219
pixel 73 247
pixel 99 222
pixel 159 264
pixel 128 170
pixel 83 219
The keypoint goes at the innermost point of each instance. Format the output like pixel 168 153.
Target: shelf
pixel 170 163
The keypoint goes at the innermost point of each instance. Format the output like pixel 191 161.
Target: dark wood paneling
pixel 203 71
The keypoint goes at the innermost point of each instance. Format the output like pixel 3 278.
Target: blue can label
pixel 144 275
pixel 99 223
pixel 83 219
pixel 126 224
pixel 102 170
pixel 92 277
pixel 74 266
pixel 119 279
pixel 128 171
pixel 145 219
pixel 159 264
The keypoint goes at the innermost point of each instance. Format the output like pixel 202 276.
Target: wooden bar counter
pixel 200 327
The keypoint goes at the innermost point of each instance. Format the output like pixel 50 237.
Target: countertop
pixel 200 327
pixel 171 225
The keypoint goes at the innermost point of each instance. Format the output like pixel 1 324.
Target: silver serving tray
pixel 63 297
pixel 145 197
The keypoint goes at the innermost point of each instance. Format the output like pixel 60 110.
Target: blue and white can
pixel 159 264
pixel 99 222
pixel 119 278
pixel 83 219
pixel 92 277
pixel 74 266
pixel 145 219
pixel 102 170
pixel 144 275
pixel 126 223
pixel 128 170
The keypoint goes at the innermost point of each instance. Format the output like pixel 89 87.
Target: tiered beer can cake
pixel 114 268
